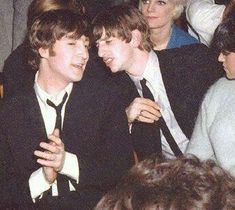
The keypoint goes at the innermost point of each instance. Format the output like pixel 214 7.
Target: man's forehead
pixel 104 35
pixel 74 36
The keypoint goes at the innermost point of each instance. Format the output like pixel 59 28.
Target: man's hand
pixel 52 158
pixel 143 110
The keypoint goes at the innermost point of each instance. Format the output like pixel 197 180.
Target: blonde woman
pixel 160 15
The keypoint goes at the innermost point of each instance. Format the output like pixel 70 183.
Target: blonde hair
pixel 179 7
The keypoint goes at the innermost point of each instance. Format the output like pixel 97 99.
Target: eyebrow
pixel 103 39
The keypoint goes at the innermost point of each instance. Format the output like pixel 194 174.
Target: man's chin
pixel 78 77
pixel 113 70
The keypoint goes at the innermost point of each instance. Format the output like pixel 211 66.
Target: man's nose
pixel 82 51
pixel 221 57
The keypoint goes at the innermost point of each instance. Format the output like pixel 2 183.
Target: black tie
pixel 58 111
pixel 165 130
pixel 62 180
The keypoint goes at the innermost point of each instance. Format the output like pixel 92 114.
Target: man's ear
pixel 44 53
pixel 136 38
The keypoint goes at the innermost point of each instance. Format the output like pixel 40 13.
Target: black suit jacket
pixel 187 73
pixel 95 129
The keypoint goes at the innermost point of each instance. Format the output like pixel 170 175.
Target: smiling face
pixel 67 59
pixel 116 53
pixel 158 13
pixel 228 60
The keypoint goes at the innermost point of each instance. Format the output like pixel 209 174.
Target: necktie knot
pixel 58 107
pixel 143 82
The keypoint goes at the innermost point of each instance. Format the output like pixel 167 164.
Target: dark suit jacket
pixel 95 129
pixel 187 73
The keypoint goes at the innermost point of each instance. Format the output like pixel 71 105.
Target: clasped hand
pixel 52 157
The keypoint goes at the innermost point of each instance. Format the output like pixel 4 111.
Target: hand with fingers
pixel 143 110
pixel 52 158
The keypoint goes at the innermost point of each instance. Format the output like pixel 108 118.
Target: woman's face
pixel 228 60
pixel 158 13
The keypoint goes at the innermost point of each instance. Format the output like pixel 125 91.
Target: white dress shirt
pixel 153 76
pixel 37 182
pixel 204 16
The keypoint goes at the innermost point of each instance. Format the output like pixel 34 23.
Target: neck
pixel 139 61
pixel 161 36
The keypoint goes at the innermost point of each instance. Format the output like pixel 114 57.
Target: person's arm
pixel 204 16
pixel 8 188
pixel 53 160
pixel 38 184
pixel 115 148
pixel 70 169
pixel 200 144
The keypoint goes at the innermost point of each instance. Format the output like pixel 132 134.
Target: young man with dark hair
pixel 18 74
pixel 214 132
pixel 64 141
pixel 170 83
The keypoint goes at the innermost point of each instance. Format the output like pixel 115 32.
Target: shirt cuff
pixel 71 166
pixel 130 127
pixel 38 184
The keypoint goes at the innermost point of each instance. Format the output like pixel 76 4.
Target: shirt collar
pixel 152 68
pixel 55 98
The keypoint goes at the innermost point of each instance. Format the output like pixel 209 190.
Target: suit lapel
pixel 172 84
pixel 74 116
pixel 30 130
pixel 177 74
pixel 35 123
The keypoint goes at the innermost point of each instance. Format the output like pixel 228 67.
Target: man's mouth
pixel 107 61
pixel 78 65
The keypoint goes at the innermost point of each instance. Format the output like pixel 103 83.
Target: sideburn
pixel 51 51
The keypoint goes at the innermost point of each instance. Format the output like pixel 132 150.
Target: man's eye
pixel 71 43
pixel 145 1
pixel 161 2
pixel 108 41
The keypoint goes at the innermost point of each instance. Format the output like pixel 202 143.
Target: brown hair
pixel 51 26
pixel 229 10
pixel 182 184
pixel 37 7
pixel 120 21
